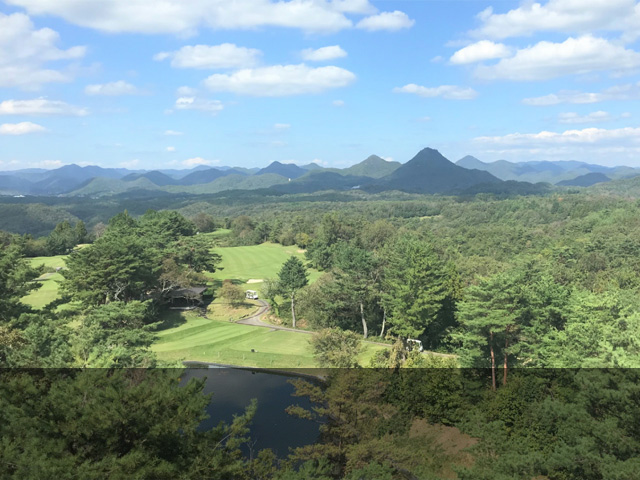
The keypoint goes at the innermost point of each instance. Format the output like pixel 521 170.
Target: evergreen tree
pixel 292 277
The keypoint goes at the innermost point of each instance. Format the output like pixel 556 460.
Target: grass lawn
pixel 256 262
pixel 49 290
pixel 220 341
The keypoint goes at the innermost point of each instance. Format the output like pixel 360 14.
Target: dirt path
pixel 256 321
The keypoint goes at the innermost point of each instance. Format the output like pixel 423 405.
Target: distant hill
pixel 156 177
pixel 232 181
pixel 10 185
pixel 206 176
pixel 430 172
pixel 544 171
pixel 373 166
pixel 311 166
pixel 585 180
pixel 287 170
pixel 99 186
pixel 316 181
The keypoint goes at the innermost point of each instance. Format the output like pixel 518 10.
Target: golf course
pixel 215 337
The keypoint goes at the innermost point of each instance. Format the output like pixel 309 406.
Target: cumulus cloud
pixel 112 89
pixel 21 128
pixel 479 51
pixel 323 54
pixel 593 117
pixel 171 149
pixel 40 106
pixel 391 21
pixel 584 136
pixel 185 18
pixel 24 52
pixel 172 133
pixel 570 16
pixel 226 55
pixel 450 92
pixel 194 162
pixel 546 60
pixel 201 104
pixel 280 80
pixel 630 91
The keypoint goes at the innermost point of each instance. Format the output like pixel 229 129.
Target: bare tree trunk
pixel 364 322
pixel 506 355
pixel 493 363
pixel 384 320
pixel 293 310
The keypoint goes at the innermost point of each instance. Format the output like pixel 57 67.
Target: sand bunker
pixel 255 280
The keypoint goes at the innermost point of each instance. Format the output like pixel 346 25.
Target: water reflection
pixel 272 427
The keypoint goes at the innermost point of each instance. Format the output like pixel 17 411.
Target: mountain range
pixel 427 172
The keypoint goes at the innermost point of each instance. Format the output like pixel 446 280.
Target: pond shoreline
pixel 317 377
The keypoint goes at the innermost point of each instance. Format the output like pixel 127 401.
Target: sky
pixel 147 84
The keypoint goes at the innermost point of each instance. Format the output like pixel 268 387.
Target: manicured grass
pixel 52 262
pixel 219 341
pixel 256 262
pixel 49 290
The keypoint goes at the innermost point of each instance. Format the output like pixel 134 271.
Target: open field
pixel 220 341
pixel 256 262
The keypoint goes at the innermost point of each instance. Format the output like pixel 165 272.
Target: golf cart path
pixel 255 321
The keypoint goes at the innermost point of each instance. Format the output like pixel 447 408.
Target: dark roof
pixel 187 292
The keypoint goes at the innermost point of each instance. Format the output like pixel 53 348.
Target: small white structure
pixel 416 344
pixel 251 294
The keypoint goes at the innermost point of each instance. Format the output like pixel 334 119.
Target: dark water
pixel 272 426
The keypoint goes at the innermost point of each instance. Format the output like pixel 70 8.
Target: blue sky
pixel 173 84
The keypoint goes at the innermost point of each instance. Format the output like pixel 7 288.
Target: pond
pixel 272 426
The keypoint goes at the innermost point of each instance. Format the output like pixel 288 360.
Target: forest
pixel 532 302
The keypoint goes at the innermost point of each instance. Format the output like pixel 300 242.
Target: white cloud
pixel 24 51
pixel 580 16
pixel 194 162
pixel 171 149
pixel 21 128
pixel 450 92
pixel 185 18
pixel 172 133
pixel 323 54
pixel 391 21
pixel 201 104
pixel 479 51
pixel 186 91
pixel 546 60
pixel 338 103
pixel 40 106
pixel 130 163
pixel 585 136
pixel 628 91
pixel 280 80
pixel 226 55
pixel 424 119
pixel 281 126
pixel 112 89
pixel 593 117
pixel 388 159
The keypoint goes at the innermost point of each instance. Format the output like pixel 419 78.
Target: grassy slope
pixel 220 341
pixel 256 262
pixel 49 290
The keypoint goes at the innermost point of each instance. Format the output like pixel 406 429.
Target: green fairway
pixel 218 341
pixel 49 290
pixel 256 262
